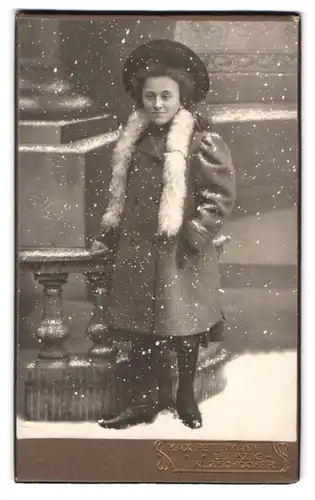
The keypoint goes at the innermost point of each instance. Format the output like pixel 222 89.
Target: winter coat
pixel 168 285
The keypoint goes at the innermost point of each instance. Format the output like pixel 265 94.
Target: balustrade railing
pixel 61 385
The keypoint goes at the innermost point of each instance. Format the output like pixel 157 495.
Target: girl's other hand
pixel 98 248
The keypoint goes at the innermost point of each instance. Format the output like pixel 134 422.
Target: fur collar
pixel 171 208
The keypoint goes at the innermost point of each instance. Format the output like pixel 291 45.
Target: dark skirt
pixel 216 334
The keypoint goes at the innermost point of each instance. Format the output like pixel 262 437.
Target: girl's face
pixel 161 98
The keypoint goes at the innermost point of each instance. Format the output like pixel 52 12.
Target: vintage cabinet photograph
pixel 157 287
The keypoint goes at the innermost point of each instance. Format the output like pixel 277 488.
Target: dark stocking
pixel 187 356
pixel 163 373
pixel 142 372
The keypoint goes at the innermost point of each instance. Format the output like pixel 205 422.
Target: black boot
pixel 187 407
pixel 141 407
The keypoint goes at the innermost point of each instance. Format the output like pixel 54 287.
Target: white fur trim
pixel 122 153
pixel 171 209
pixel 174 174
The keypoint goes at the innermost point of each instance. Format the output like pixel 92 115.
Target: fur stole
pixel 171 209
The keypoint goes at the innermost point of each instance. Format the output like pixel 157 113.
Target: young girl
pixel 172 187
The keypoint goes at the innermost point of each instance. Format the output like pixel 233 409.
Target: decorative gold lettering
pixel 222 457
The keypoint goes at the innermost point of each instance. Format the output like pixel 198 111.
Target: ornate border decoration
pixel 250 62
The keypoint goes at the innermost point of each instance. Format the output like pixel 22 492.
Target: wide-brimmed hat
pixel 170 54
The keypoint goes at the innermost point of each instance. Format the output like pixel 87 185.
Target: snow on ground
pixel 259 403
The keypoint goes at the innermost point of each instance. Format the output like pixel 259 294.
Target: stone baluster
pixel 52 331
pixel 97 329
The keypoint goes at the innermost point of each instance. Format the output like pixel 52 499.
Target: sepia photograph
pixel 157 233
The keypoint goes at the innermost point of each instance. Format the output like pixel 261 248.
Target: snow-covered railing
pixel 51 267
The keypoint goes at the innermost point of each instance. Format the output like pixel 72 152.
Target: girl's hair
pixel 181 77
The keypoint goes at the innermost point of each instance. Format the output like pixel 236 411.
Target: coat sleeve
pixel 214 191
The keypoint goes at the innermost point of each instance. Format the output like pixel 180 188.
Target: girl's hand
pixel 98 248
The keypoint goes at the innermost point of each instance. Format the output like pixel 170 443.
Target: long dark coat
pixel 169 286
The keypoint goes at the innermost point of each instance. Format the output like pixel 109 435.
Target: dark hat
pixel 170 54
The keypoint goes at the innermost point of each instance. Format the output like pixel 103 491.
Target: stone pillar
pixel 56 121
pixel 44 91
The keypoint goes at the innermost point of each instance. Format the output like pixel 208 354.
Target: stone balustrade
pixel 63 385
